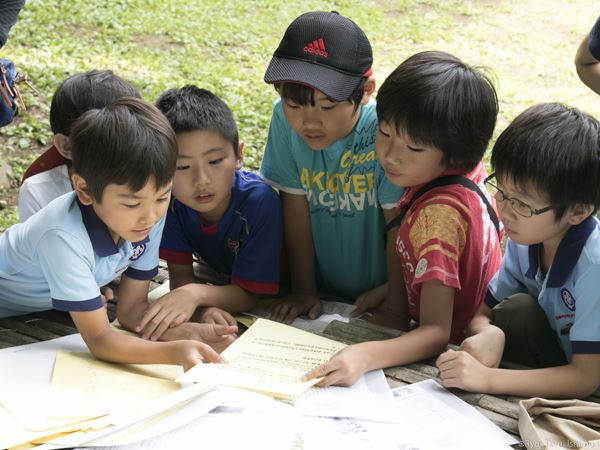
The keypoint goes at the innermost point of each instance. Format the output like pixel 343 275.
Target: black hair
pixel 438 100
pixel 304 95
pixel 82 92
pixel 555 149
pixel 191 108
pixel 125 143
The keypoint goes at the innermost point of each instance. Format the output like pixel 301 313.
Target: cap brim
pixel 336 85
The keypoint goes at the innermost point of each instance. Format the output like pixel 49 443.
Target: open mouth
pixel 204 198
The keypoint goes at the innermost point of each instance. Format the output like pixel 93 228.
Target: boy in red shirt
pixel 436 116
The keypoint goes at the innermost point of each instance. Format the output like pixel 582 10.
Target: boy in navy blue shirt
pixel 227 218
pixel 124 157
pixel 543 306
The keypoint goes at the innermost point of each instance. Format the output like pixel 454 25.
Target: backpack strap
pixel 439 182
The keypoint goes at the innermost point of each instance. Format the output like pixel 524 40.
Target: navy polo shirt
pixel 594 40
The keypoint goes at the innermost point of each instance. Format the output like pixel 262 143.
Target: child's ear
pixel 369 90
pixel 63 145
pixel 81 189
pixel 239 156
pixel 578 213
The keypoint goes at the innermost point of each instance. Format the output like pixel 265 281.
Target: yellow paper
pixel 83 384
pixel 14 434
pixel 247 321
pixel 269 357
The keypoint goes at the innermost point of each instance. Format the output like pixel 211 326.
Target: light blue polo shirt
pixel 569 294
pixel 347 190
pixel 61 255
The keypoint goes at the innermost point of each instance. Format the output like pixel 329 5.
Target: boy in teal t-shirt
pixel 320 154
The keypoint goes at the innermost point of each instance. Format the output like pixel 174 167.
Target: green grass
pixel 225 46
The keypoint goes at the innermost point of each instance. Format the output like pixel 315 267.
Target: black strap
pixel 439 182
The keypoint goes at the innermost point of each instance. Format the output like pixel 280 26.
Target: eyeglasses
pixel 522 209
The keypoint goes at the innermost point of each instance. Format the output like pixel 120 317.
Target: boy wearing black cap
pixel 320 154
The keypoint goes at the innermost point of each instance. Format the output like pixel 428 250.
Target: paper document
pixel 428 417
pixel 369 398
pixel 330 311
pixel 269 357
pixel 26 407
pixel 80 379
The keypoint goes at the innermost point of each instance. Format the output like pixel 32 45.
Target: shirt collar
pixel 102 241
pixel 567 255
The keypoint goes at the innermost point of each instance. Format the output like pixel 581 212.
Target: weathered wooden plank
pixel 357 331
pixel 53 327
pixel 405 374
pixel 13 338
pixel 508 424
pixel 28 328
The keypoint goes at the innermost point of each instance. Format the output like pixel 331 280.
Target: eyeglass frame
pixel 533 212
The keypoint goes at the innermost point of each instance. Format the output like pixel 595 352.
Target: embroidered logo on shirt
pixel 421 267
pixel 138 251
pixel 567 299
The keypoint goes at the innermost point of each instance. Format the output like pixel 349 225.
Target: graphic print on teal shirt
pixel 346 188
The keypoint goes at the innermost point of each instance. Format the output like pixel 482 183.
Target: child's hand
pixel 170 310
pixel 487 346
pixel 193 352
pixel 219 337
pixel 215 315
pixel 106 294
pixel 343 369
pixel 369 300
pixel 287 309
pixel 460 369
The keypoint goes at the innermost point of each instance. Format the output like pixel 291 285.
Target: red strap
pixel 50 159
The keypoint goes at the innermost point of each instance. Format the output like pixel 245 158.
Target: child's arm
pixel 188 297
pixel 392 308
pixel 588 67
pixel 301 260
pixel 485 341
pixel 578 379
pixel 429 339
pixel 108 345
pixel 133 303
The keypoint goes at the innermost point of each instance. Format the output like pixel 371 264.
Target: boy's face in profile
pixel 515 201
pixel 323 124
pixel 206 164
pixel 130 215
pixel 405 162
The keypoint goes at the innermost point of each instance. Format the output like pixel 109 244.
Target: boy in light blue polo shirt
pixel 124 158
pixel 543 307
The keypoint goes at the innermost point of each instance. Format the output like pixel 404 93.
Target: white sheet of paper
pixel 369 398
pixel 429 418
pixel 250 420
pixel 474 422
pixel 329 311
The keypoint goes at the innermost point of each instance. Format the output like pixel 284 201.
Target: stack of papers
pixel 61 396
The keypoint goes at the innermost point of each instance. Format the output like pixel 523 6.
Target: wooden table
pixel 502 410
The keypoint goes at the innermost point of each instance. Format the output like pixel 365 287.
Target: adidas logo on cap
pixel 316 47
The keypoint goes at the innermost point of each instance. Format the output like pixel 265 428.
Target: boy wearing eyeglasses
pixel 543 307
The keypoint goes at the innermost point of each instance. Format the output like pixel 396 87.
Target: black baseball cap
pixel 325 51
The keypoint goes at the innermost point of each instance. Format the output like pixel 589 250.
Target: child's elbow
pixel 439 340
pixel 586 388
